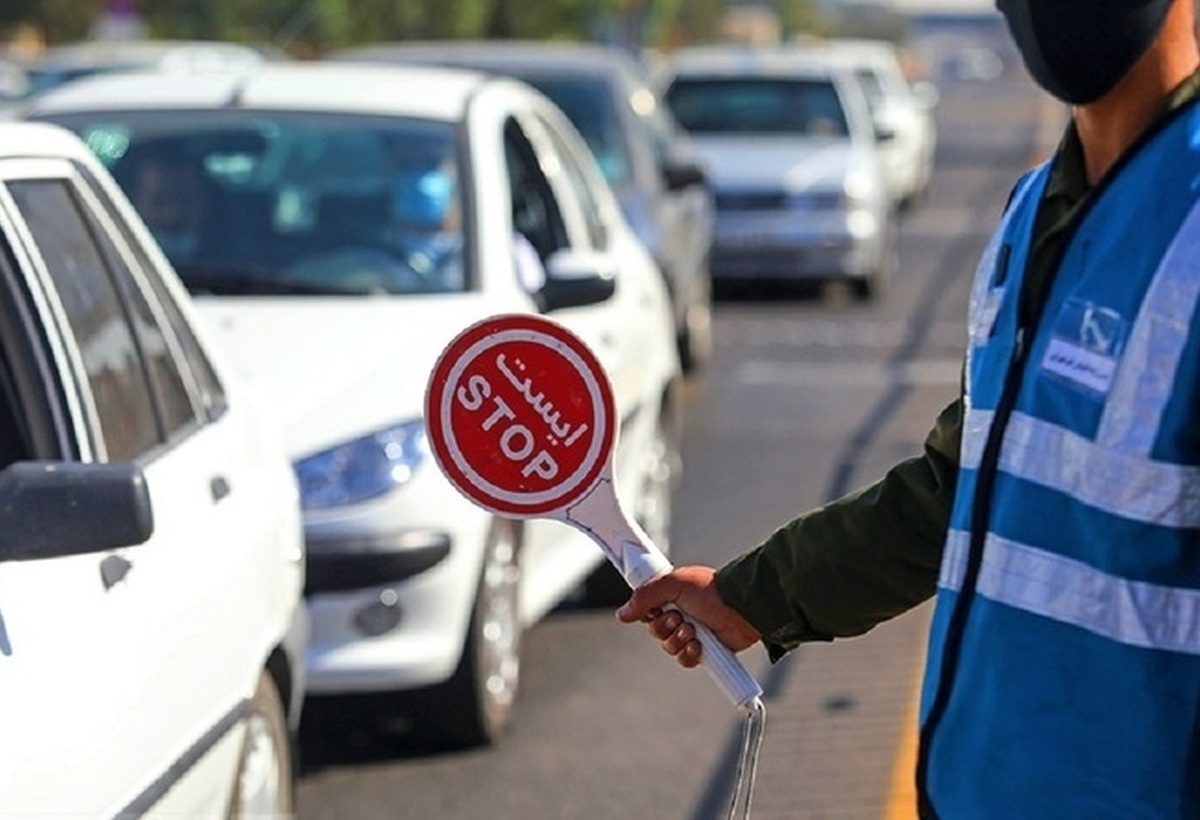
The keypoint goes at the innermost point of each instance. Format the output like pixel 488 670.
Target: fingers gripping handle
pixel 639 565
pixel 723 666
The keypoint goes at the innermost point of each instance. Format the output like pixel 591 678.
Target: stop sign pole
pixel 521 420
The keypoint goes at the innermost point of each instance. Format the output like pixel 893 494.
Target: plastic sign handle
pixel 522 421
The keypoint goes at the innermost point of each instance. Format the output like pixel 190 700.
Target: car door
pixel 686 210
pixel 114 678
pixel 625 330
pixel 631 333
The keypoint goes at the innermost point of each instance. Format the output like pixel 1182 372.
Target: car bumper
pixel 801 263
pixel 794 247
pixel 389 590
pixel 403 629
pixel 339 564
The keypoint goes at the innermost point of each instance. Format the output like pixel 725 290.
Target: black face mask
pixel 1078 50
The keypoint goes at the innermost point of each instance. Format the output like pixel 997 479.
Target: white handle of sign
pixel 634 555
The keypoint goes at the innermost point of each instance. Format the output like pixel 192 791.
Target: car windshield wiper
pixel 210 281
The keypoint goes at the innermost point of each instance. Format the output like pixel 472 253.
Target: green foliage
pixel 312 27
pixel 57 20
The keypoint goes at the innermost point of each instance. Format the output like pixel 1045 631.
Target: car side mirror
pixel 678 175
pixel 50 509
pixel 576 278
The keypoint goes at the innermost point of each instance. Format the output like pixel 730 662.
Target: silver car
pixel 789 148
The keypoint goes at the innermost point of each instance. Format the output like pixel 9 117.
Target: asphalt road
pixel 808 396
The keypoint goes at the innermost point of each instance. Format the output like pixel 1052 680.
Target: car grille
pixel 751 200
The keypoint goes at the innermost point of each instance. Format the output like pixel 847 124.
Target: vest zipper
pixel 981 504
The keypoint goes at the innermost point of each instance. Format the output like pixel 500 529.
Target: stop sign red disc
pixel 520 415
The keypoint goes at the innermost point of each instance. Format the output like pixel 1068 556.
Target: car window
pixel 535 211
pixel 205 382
pixel 268 203
pixel 34 421
pixel 660 133
pixel 590 106
pixel 16 420
pixel 96 315
pixel 14 436
pixel 579 184
pixel 872 87
pixel 721 105
pixel 651 118
pixel 168 382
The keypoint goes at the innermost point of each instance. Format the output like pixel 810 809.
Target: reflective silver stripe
pixel 982 284
pixel 1143 387
pixel 976 423
pixel 1068 591
pixel 1119 483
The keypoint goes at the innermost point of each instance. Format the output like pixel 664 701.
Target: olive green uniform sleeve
pixel 843 568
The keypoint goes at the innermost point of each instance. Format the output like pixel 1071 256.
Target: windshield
pixel 266 203
pixel 747 105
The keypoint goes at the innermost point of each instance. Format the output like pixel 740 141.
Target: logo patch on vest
pixel 1086 346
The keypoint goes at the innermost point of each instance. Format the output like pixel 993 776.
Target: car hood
pixel 336 368
pixel 738 162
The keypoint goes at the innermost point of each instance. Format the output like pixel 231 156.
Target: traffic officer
pixel 1056 507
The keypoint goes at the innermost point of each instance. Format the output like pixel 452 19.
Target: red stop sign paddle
pixel 521 419
pixel 520 415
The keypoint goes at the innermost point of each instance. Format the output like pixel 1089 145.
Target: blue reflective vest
pixel 1063 676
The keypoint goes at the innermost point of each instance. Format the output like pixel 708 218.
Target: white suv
pixel 151 552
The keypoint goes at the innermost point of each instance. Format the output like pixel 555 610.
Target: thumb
pixel 649 598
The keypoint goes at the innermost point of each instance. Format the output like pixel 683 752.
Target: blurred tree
pixel 199 19
pixel 803 17
pixel 57 20
pixel 312 27
pixel 701 19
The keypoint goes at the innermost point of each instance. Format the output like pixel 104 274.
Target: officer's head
pixel 1078 50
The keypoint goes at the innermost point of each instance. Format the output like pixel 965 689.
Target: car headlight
pixel 363 468
pixel 858 189
pixel 851 192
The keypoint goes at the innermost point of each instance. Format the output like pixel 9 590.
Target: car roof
pixel 413 91
pixel 865 53
pixel 142 52
pixel 560 58
pixel 749 61
pixel 39 140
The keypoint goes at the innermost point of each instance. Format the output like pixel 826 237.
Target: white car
pixel 789 148
pixel 348 222
pixel 902 110
pixel 152 624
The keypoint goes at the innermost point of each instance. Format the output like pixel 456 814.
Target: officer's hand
pixel 693 590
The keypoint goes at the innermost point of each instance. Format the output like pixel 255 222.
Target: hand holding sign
pixel 522 421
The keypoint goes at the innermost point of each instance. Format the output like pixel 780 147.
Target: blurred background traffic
pixel 756 212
